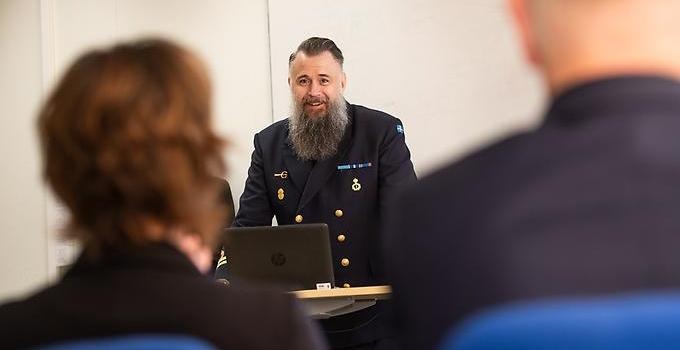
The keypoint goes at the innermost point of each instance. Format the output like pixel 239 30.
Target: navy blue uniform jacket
pixel 349 192
pixel 585 204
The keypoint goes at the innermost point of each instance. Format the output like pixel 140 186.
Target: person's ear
pixel 519 10
pixel 343 81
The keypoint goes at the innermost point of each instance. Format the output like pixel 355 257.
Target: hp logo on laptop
pixel 278 259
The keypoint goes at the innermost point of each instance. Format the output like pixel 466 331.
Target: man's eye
pixel 325 81
pixel 303 81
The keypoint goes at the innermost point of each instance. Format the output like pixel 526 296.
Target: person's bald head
pixel 576 40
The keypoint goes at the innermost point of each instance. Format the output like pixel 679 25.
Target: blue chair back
pixel 627 322
pixel 135 342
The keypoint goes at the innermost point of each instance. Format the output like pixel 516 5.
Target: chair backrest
pixel 135 342
pixel 649 321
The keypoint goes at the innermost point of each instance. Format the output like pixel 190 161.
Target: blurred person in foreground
pixel 585 204
pixel 128 147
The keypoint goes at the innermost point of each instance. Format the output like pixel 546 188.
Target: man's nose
pixel 314 89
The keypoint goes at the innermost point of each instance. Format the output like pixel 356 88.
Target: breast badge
pixel 356 186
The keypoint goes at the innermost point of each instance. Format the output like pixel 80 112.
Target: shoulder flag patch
pixel 400 129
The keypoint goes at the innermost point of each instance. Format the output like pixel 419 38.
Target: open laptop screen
pixel 293 256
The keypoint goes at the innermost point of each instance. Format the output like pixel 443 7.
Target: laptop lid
pixel 293 256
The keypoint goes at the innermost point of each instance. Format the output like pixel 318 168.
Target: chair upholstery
pixel 626 322
pixel 135 342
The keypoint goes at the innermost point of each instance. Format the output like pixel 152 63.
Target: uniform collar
pixel 616 96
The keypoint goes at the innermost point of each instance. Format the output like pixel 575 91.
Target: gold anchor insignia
pixel 356 186
pixel 280 194
pixel 283 174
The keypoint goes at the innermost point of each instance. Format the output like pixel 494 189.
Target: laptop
pixel 294 257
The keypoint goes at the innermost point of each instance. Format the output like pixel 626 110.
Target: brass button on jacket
pixel 344 262
pixel 298 218
pixel 338 212
pixel 341 238
pixel 346 285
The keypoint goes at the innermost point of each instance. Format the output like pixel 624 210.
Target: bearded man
pixel 336 163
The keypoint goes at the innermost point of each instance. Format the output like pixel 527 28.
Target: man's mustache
pixel 309 100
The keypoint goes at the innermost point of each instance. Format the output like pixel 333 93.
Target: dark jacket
pixel 586 204
pixel 154 289
pixel 349 192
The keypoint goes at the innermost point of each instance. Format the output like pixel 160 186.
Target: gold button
pixel 341 238
pixel 346 285
pixel 344 262
pixel 338 213
pixel 298 218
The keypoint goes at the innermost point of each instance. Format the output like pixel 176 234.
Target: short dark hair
pixel 127 135
pixel 316 45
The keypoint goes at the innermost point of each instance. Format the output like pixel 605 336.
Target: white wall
pixel 231 36
pixel 449 69
pixel 23 249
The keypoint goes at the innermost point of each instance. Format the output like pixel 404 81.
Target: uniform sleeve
pixel 254 208
pixel 394 172
pixel 395 167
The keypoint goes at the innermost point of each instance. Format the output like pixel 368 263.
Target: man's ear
pixel 288 81
pixel 519 10
pixel 343 81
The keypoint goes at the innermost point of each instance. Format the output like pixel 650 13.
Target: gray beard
pixel 317 138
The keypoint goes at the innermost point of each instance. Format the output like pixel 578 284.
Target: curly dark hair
pixel 127 139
